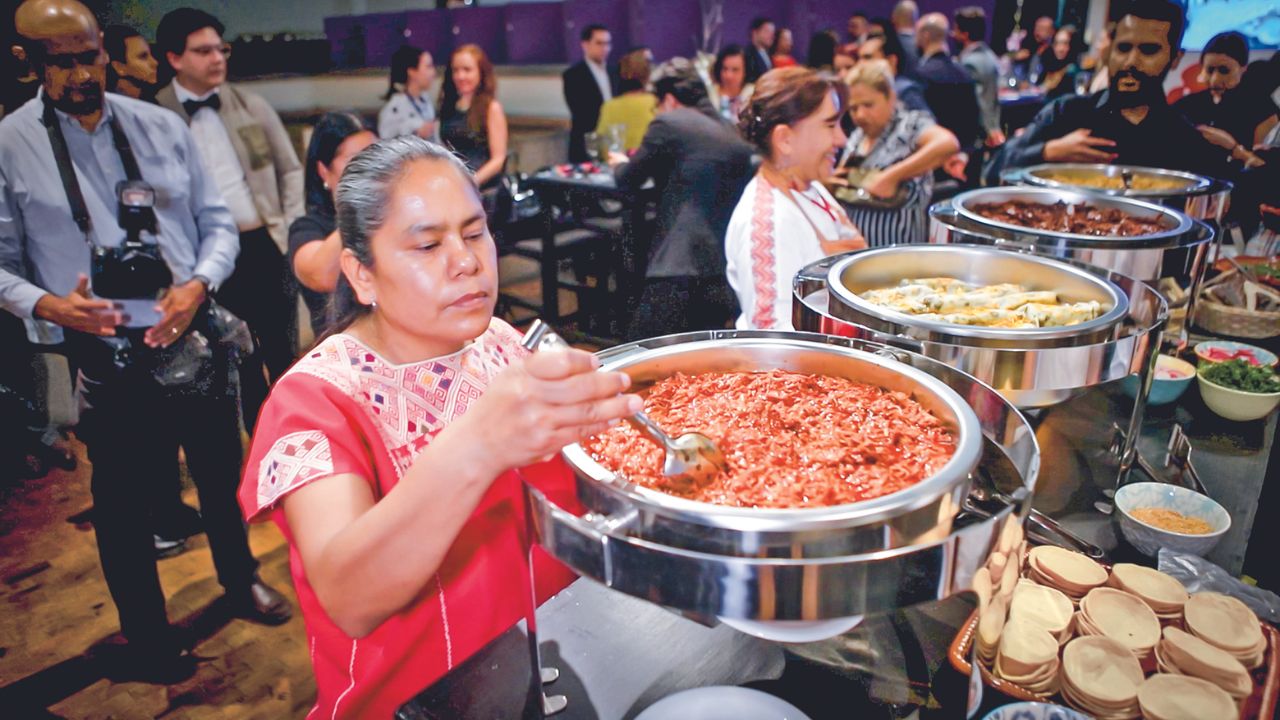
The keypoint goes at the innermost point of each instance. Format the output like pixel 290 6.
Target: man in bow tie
pixel 253 163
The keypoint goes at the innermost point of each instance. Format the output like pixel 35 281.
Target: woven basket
pixel 1237 322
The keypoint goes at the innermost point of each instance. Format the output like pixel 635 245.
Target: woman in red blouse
pixel 391 455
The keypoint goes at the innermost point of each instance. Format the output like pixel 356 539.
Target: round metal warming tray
pixel 1176 228
pixel 1137 182
pixel 1031 374
pixel 917 511
pixel 914 546
pixel 1203 198
pixel 980 265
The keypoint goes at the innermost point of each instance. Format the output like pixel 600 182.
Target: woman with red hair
pixel 472 122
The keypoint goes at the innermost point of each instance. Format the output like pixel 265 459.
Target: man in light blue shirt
pixel 133 420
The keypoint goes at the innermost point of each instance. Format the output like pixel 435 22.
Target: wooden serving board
pixel 1261 705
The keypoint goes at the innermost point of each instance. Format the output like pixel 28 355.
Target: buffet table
pixel 617 654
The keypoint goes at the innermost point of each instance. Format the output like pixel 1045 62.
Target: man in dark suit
pixel 757 56
pixel 948 88
pixel 699 165
pixel 587 85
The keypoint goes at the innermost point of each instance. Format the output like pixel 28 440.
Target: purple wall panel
pixel 383 33
pixel 738 17
pixel 613 14
pixel 484 26
pixel 669 27
pixel 430 30
pixel 346 45
pixel 533 33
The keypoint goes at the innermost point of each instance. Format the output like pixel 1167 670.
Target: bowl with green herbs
pixel 1238 390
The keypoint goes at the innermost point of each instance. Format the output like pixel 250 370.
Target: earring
pixel 326 185
pixel 373 304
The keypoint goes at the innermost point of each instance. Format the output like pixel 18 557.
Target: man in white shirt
pixel 587 85
pixel 254 165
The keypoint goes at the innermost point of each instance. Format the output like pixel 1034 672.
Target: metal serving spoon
pixel 692 456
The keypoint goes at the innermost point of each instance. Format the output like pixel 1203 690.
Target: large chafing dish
pixel 1040 375
pixel 1173 260
pixel 1200 197
pixel 814 564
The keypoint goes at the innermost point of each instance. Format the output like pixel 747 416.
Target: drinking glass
pixel 593 145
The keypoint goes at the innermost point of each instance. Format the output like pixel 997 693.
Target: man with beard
pixel 133 67
pixel 63 159
pixel 1130 123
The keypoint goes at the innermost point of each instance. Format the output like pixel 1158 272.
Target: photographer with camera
pixel 112 236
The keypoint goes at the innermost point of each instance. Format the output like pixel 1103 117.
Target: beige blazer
pixel 262 144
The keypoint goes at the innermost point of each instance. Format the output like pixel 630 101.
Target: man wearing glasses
pixel 78 165
pixel 247 149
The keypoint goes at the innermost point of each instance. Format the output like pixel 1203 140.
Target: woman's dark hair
pixel 329 133
pixel 478 114
pixel 633 71
pixel 403 59
pixel 785 96
pixel 114 39
pixel 1230 43
pixel 725 53
pixel 822 50
pixel 363 194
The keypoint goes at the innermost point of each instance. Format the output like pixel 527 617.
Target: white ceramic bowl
pixel 1149 539
pixel 1234 404
pixel 1034 711
pixel 722 702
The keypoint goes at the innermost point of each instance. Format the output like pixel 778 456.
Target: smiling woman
pixel 387 454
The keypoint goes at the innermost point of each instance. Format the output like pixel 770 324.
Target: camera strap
pixel 62 156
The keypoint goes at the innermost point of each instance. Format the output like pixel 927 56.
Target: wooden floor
pixel 58 626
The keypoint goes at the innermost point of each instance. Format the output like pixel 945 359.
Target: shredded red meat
pixel 791 440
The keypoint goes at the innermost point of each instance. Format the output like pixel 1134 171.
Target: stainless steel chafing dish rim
pixel 1176 224
pixel 950 478
pixel 1036 175
pixel 1118 300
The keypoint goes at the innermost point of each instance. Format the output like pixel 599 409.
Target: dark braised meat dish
pixel 1078 219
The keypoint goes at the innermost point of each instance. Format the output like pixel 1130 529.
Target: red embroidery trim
pixel 762 260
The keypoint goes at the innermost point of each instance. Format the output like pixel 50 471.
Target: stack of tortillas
pixel 1045 606
pixel 1162 593
pixel 1028 656
pixel 1071 572
pixel 990 625
pixel 1180 653
pixel 1179 697
pixel 1121 617
pixel 1226 623
pixel 1101 677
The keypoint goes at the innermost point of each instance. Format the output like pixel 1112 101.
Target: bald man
pixel 948 88
pixel 137 412
pixel 904 17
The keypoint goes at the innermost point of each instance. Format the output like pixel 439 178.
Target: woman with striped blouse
pixel 900 148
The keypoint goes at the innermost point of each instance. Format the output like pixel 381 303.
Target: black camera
pixel 135 269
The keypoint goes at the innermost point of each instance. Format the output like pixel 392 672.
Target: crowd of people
pixel 401 509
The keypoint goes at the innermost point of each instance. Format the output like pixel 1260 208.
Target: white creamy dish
pixel 1006 305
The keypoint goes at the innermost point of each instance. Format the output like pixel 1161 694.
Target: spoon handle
pixel 645 425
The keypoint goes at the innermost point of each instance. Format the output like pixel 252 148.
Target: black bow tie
pixel 212 102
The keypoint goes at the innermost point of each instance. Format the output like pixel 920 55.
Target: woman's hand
pixel 542 403
pixel 883 184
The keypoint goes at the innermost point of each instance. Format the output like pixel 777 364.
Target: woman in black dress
pixel 472 122
pixel 314 245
